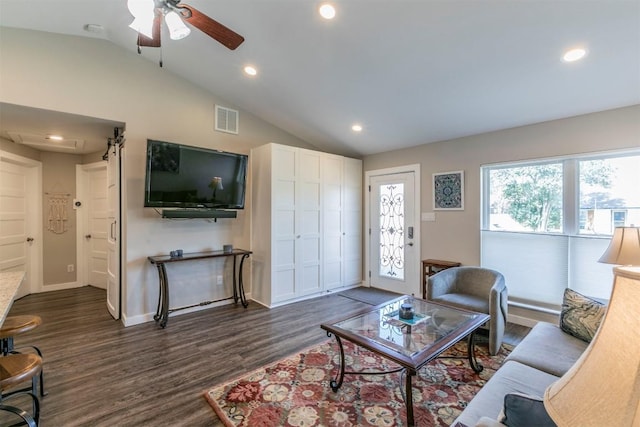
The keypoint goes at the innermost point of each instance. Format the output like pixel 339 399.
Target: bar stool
pixel 15 369
pixel 15 325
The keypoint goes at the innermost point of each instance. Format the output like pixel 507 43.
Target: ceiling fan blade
pixel 144 41
pixel 212 28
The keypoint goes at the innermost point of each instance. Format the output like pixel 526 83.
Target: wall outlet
pixel 219 279
pixel 70 268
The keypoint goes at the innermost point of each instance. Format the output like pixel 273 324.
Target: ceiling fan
pixel 148 16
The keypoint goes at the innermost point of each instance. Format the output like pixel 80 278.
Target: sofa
pixel 540 359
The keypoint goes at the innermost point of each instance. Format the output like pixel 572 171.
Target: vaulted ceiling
pixel 409 71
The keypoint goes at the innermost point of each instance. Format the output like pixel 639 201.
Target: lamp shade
pixel 603 387
pixel 624 248
pixel 177 29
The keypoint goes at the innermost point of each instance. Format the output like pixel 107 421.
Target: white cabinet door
pixel 283 220
pixel 333 219
pixel 352 222
pixel 308 223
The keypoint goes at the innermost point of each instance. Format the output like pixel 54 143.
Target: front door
pixel 21 219
pixel 393 241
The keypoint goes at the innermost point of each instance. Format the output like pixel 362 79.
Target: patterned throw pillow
pixel 580 315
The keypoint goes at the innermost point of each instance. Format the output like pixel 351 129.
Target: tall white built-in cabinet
pixel 306 236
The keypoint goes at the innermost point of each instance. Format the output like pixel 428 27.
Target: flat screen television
pixel 180 176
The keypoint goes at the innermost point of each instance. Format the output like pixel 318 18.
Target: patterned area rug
pixel 295 391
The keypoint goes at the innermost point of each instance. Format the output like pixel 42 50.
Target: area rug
pixel 295 391
pixel 369 295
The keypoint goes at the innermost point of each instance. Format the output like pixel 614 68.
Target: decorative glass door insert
pixel 392 257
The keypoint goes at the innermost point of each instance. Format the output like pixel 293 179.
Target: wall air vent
pixel 227 120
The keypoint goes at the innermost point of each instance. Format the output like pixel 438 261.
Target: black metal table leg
pixel 235 283
pixel 471 354
pixel 409 398
pixel 337 383
pixel 163 317
pixel 156 317
pixel 243 298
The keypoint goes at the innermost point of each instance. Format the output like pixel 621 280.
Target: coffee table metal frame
pixel 409 364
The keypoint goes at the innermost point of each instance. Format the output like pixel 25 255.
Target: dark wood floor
pixel 99 373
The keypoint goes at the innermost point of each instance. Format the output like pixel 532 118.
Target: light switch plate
pixel 428 216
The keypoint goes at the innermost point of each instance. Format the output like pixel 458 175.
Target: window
pixel 545 223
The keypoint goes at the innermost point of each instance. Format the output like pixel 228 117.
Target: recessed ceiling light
pixel 574 54
pixel 356 128
pixel 327 11
pixel 250 70
pixel 55 137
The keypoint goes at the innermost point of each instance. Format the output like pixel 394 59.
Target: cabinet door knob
pixel 88 236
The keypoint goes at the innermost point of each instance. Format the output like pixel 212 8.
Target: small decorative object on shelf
pixel 176 254
pixel 227 249
pixel 406 311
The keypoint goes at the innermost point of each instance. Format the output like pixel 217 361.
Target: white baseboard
pixel 60 286
pixel 148 317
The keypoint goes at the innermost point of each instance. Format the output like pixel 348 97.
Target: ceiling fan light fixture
pixel 143 26
pixel 177 29
pixel 141 8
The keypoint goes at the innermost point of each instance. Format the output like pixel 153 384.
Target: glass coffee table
pixel 410 332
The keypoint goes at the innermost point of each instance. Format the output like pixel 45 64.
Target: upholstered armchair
pixel 477 289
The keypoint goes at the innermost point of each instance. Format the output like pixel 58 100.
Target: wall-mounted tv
pixel 180 176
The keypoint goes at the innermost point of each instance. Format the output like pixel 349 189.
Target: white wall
pixel 455 235
pixel 95 78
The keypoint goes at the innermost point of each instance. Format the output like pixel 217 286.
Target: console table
pixel 162 312
pixel 431 267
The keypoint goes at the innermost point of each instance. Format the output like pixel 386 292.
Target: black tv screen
pixel 180 176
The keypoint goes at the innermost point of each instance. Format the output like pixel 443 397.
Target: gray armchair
pixel 477 289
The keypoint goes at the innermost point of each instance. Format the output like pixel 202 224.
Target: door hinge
pixel 369 231
pixel 369 189
pixel 369 274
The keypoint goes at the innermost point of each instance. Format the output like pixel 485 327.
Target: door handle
pixel 410 244
pixel 30 239
pixel 88 236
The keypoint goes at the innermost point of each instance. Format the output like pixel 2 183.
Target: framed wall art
pixel 448 191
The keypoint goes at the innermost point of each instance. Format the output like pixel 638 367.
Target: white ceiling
pixel 410 71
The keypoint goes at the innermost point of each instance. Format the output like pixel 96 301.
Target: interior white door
pixel 21 219
pixel 113 232
pixel 92 188
pixel 393 252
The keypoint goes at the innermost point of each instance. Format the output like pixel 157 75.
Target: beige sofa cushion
pixel 511 377
pixel 549 349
